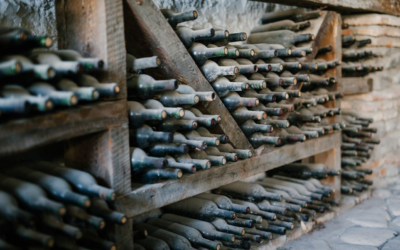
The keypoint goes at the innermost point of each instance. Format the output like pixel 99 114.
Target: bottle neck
pixel 303 38
pixel 264 54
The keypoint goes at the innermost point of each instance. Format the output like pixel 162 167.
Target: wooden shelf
pixel 354 6
pixel 149 197
pixel 25 133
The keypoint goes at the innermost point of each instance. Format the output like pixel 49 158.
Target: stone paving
pixel 372 225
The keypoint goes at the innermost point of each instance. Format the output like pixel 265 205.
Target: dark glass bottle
pixel 174 18
pixel 247 191
pixel 140 161
pixel 11 212
pixel 144 86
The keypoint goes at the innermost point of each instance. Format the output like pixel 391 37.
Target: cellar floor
pixel 374 224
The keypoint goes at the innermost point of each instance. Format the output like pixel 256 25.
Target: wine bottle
pixel 292 191
pixel 303 115
pixel 20 63
pixel 40 103
pixel 77 215
pixel 205 228
pixel 324 50
pixel 233 101
pixel 265 226
pixel 138 114
pixel 135 65
pixel 242 114
pixel 299 77
pixel 285 37
pixel 174 99
pixel 260 67
pixel 92 240
pixel 174 241
pixel 223 38
pixel 310 186
pixel 144 86
pixel 60 67
pixel 163 149
pixel 144 136
pixel 80 180
pixel 140 161
pixel 253 84
pixel 173 125
pixel 189 36
pixel 306 170
pixel 242 244
pixel 223 86
pixel 247 191
pixel 221 137
pixel 287 197
pixel 296 15
pixel 50 224
pixel 282 25
pixel 284 107
pixel 242 153
pixel 212 70
pixel 250 237
pixel 195 144
pixel 281 51
pixel 258 139
pixel 199 163
pixel 197 208
pixel 214 159
pixel 224 202
pixel 222 226
pixel 239 222
pixel 269 111
pixel 16 39
pixel 25 236
pixel 290 66
pixel 59 98
pixel 210 141
pixel 235 53
pixel 83 93
pixel 308 134
pixel 243 69
pixel 204 96
pixel 287 225
pixel 286 137
pixel 186 167
pixel 57 188
pixel 177 112
pixel 30 196
pixel 250 127
pixel 255 210
pixel 259 53
pixel 276 123
pixel 104 89
pixel 279 96
pixel 262 97
pixel 11 212
pixel 265 235
pixel 100 208
pixel 291 92
pixel 213 151
pixel 152 243
pixel 88 64
pixel 174 18
pixel 197 113
pixel 294 52
pixel 150 176
pixel 200 53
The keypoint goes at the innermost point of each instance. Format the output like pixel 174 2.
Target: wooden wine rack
pixel 96 137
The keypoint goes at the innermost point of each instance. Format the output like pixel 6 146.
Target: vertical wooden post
pixel 95 28
pixel 331 159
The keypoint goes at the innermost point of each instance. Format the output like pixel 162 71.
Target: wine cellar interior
pixel 159 124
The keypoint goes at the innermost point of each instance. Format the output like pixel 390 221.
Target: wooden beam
pixel 22 134
pixel 95 28
pixel 147 34
pixel 371 19
pixel 376 31
pixel 345 6
pixel 356 85
pixel 149 197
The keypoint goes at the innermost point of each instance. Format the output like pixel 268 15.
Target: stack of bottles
pixel 240 215
pixel 355 53
pixel 358 144
pixel 46 205
pixel 37 80
pixel 168 135
pixel 258 82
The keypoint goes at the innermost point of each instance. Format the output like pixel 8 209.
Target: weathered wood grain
pixel 371 19
pixel 356 85
pixel 22 134
pixel 147 34
pixel 95 28
pixel 149 197
pixel 376 31
pixel 391 7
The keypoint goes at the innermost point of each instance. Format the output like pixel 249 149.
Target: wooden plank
pixel 376 31
pixel 22 134
pixel 95 28
pixel 149 197
pixel 371 19
pixel 383 41
pixel 356 85
pixel 353 6
pixel 147 33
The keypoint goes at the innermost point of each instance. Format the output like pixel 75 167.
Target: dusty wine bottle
pixel 140 161
pixel 16 92
pixel 284 37
pixel 176 112
pixel 297 15
pixel 144 136
pixel 247 191
pixel 80 180
pixel 11 212
pixel 88 64
pixel 200 53
pixel 61 67
pixel 174 18
pixel 189 36
pixel 135 65
pixel 282 25
pixel 30 196
pixel 83 93
pixel 233 101
pixel 59 98
pixel 144 86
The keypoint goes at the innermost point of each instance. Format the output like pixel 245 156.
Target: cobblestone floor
pixel 372 225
